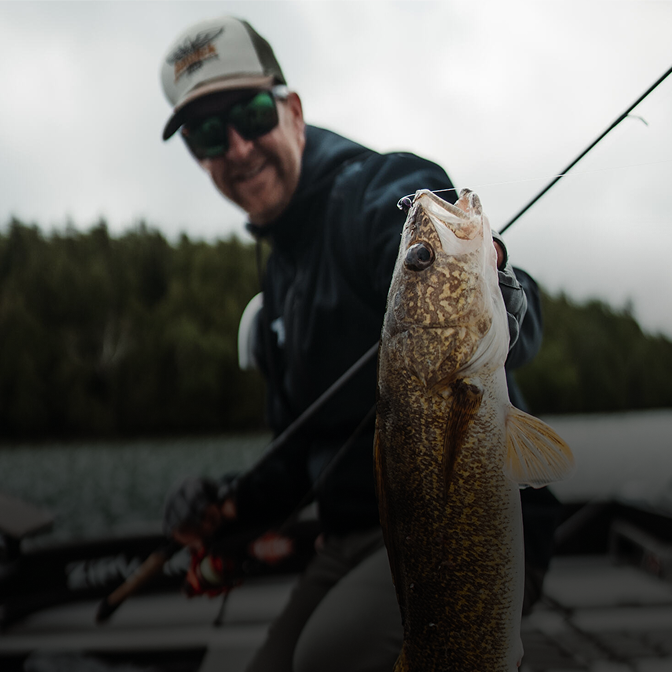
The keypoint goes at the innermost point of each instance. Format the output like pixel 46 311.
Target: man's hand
pixel 194 509
pixel 500 255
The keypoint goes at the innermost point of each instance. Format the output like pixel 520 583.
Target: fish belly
pixel 454 534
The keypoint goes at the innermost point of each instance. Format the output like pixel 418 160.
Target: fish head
pixel 445 281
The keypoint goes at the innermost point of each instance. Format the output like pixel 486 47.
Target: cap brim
pixel 180 111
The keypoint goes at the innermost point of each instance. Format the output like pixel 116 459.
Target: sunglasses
pixel 252 118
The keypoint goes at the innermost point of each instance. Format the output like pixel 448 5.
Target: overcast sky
pixel 502 94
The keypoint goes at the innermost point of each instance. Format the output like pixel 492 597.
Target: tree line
pixel 104 336
pixel 118 336
pixel 595 358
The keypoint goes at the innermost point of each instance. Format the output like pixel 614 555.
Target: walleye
pixel 450 450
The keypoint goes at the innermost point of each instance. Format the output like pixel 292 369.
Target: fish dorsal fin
pixel 535 453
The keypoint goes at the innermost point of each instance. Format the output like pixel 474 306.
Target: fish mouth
pixel 462 221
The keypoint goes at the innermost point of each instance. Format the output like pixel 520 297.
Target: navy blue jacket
pixel 325 288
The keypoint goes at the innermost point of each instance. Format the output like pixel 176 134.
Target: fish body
pixel 451 451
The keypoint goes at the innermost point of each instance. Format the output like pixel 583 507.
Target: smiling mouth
pixel 244 176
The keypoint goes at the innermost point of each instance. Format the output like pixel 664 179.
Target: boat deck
pixel 595 616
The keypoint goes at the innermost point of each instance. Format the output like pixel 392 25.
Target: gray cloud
pixel 501 94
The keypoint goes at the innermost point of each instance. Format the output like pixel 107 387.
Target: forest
pixel 117 336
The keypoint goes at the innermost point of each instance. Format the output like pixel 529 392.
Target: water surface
pixel 98 488
pixel 618 455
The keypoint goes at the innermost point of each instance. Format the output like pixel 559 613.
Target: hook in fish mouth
pixel 405 203
pixel 419 256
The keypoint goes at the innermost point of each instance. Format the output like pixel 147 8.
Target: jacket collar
pixel 323 158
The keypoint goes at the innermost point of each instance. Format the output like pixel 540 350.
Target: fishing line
pixel 543 177
pixel 612 126
pixel 405 202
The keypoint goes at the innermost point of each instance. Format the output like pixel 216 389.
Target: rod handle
pixel 152 565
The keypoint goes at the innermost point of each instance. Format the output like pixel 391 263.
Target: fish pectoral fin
pixel 467 399
pixel 439 386
pixel 535 454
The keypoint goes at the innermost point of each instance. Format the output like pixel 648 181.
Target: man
pixel 327 206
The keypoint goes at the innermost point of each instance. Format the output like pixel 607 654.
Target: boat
pixel 607 601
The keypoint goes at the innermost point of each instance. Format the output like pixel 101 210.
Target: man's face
pixel 261 175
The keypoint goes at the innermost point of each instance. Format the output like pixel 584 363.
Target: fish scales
pixel 448 465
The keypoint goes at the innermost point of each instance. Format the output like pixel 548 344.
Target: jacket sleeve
pixel 523 308
pixel 269 494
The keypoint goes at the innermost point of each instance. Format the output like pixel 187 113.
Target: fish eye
pixel 419 256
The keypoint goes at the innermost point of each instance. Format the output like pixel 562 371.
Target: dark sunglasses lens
pixel 208 138
pixel 252 119
pixel 255 117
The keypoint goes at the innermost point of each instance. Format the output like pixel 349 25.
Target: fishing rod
pixel 154 563
pixel 292 429
pixel 562 173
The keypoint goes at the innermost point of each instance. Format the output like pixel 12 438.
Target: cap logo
pixel 192 53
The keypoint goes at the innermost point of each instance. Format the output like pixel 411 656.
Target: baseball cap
pixel 219 54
